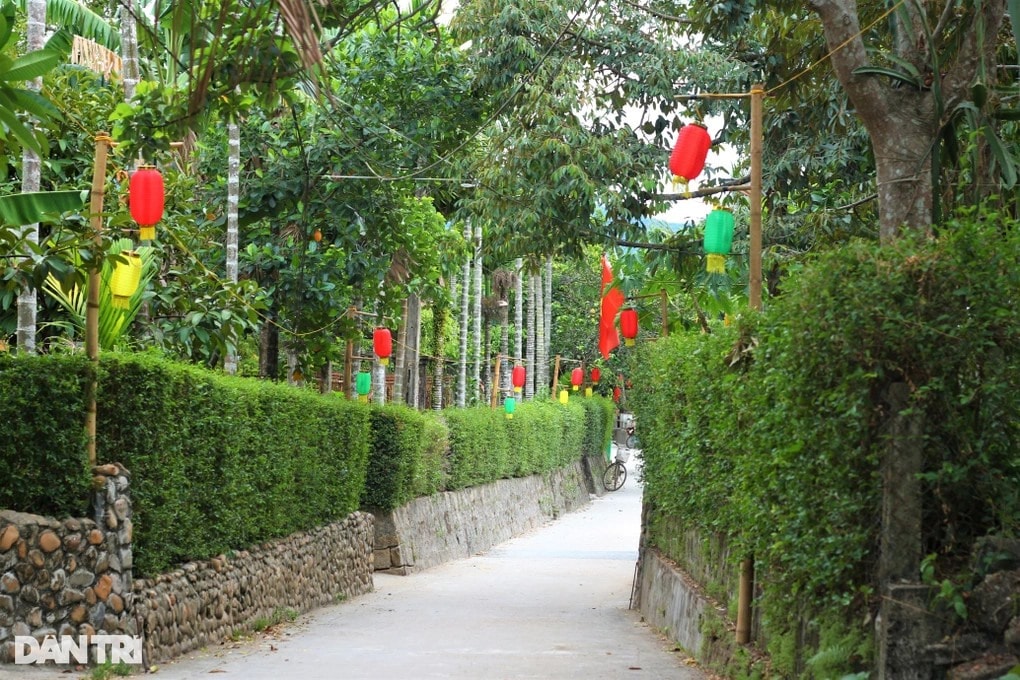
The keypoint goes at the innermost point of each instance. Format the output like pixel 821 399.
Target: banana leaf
pixel 113 321
pixel 31 207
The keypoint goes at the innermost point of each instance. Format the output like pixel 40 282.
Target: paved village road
pixel 552 604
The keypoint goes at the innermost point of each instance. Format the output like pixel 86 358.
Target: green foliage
pixel 770 433
pixel 43 447
pixel 406 457
pixel 221 462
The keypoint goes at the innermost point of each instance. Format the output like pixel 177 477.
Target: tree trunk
pixel 400 359
pixel 465 298
pixel 30 181
pixel 529 383
pixel 413 351
pixel 506 364
pixel 269 350
pixel 477 389
pixel 233 194
pixel 129 48
pixel 547 300
pixel 541 359
pixel 903 121
pixel 439 332
pixel 519 312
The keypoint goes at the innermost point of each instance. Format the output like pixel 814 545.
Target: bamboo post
pixel 757 95
pixel 665 312
pixel 103 143
pixel 349 359
pixel 556 378
pixel 746 586
pixel 494 388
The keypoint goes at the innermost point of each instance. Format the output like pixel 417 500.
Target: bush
pixel 406 457
pixel 220 463
pixel 771 433
pixel 43 450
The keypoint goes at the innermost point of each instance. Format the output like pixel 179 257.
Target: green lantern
pixel 718 239
pixel 509 406
pixel 363 385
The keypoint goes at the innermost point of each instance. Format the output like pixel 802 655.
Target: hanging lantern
pixel 517 377
pixel 596 375
pixel 629 326
pixel 382 343
pixel 363 385
pixel 616 394
pixel 145 200
pixel 564 396
pixel 577 378
pixel 588 391
pixel 688 157
pixel 125 279
pixel 718 239
pixel 509 406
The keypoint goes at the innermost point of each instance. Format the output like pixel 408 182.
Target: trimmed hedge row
pixel 219 463
pixel 42 434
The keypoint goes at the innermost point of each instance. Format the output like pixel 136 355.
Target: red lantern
pixel 382 342
pixel 616 393
pixel 518 376
pixel 595 375
pixel 577 377
pixel 688 157
pixel 629 325
pixel 145 200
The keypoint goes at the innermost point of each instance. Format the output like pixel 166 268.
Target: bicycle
pixel 614 476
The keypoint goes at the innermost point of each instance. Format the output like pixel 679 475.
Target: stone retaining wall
pixel 456 524
pixel 70 577
pixel 204 602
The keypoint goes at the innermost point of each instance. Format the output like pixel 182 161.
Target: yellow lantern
pixel 564 396
pixel 126 277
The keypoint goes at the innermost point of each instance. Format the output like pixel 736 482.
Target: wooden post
pixel 746 587
pixel 556 378
pixel 495 383
pixel 757 95
pixel 103 143
pixel 352 312
pixel 665 312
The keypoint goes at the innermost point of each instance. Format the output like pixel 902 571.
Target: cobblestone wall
pixel 73 577
pixel 70 577
pixel 204 602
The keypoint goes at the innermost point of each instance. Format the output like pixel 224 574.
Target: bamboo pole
pixel 746 586
pixel 556 378
pixel 665 312
pixel 103 143
pixel 757 95
pixel 495 382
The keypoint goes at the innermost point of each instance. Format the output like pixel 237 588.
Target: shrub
pixel 43 448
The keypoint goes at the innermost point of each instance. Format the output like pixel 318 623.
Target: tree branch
pixel 742 184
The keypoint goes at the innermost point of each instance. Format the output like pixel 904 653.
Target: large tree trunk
pixel 269 349
pixel 465 300
pixel 476 352
pixel 547 300
pixel 903 121
pixel 233 195
pixel 439 332
pixel 413 350
pixel 31 178
pixel 129 48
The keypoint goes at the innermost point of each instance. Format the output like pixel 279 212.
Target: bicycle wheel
pixel 614 476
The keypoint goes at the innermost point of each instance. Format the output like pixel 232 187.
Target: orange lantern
pixel 577 378
pixel 629 325
pixel 382 343
pixel 688 157
pixel 145 200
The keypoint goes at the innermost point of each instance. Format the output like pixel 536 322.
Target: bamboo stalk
pixel 103 143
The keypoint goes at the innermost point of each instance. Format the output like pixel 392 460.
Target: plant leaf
pixel 31 207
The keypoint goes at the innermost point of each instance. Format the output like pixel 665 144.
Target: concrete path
pixel 552 604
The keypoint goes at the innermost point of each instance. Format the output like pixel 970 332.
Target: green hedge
pixel 43 444
pixel 220 463
pixel 769 433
